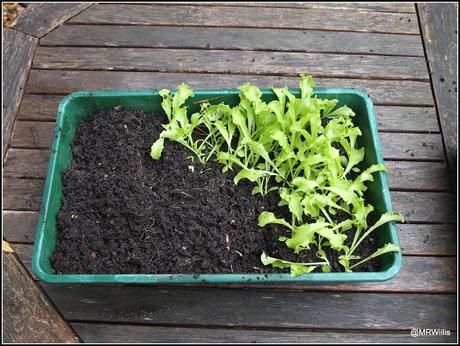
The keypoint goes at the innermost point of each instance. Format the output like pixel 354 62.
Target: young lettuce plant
pixel 179 128
pixel 345 259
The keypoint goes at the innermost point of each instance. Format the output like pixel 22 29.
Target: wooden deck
pixel 377 47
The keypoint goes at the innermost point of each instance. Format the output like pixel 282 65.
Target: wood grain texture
pixel 25 163
pixel 439 23
pixel 409 146
pixel 39 107
pixel 233 39
pixel 432 207
pixel 18 50
pixel 413 175
pixel 24 254
pixel 104 333
pixel 30 134
pixel 19 226
pixel 403 119
pixel 22 194
pixel 250 17
pixel 252 308
pixel 28 317
pixel 382 92
pixel 230 62
pixel 390 118
pixel 39 19
pixel 368 6
pixel 428 240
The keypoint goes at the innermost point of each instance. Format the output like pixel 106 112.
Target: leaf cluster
pixel 305 148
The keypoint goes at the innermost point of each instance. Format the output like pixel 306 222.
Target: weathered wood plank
pixel 106 333
pixel 250 17
pixel 18 50
pixel 432 207
pixel 230 62
pixel 255 308
pixel 402 119
pixel 397 146
pixel 412 175
pixel 390 118
pixel 403 175
pixel 32 134
pixel 368 6
pixel 439 23
pixel 233 38
pixel 19 226
pixel 25 163
pixel 24 253
pixel 22 194
pixel 39 19
pixel 28 317
pixel 419 207
pixel 387 92
pixel 39 107
pixel 428 240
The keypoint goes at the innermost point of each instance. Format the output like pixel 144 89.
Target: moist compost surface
pixel 123 212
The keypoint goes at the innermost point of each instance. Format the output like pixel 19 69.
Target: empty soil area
pixel 123 212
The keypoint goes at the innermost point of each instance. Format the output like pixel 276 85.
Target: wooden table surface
pixel 376 47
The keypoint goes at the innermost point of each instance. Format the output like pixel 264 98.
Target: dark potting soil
pixel 123 212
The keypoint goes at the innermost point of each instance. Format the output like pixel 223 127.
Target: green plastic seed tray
pixel 81 104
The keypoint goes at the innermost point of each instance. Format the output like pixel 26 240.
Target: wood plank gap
pixel 21 242
pixel 429 222
pixel 30 178
pixel 431 255
pixel 227 327
pixel 243 27
pixel 406 158
pixel 234 49
pixel 401 189
pixel 247 27
pixel 24 32
pixel 401 131
pixel 411 79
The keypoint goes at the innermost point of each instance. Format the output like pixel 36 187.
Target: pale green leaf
pixel 267 217
pixel 157 148
pixel 296 268
pixel 248 173
pixel 306 85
